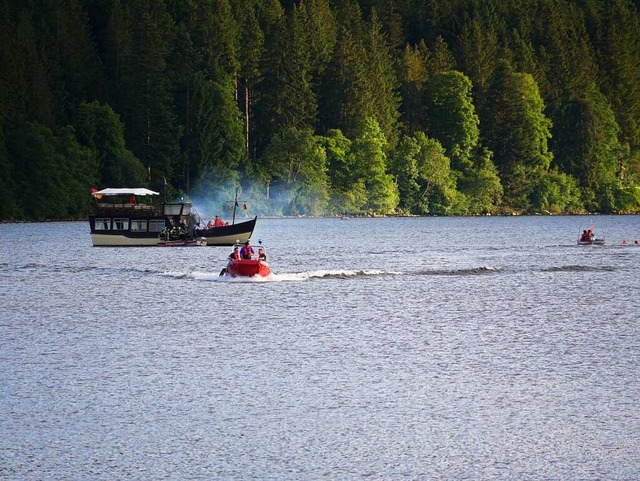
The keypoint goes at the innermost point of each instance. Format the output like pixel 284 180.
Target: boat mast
pixel 235 204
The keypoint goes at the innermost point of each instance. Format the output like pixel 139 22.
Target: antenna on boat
pixel 235 204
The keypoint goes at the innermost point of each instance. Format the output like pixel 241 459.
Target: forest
pixel 321 107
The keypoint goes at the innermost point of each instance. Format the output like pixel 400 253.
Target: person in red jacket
pixel 247 251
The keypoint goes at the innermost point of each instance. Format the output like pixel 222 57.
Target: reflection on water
pixel 490 348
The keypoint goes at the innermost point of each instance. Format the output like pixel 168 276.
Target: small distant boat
pixel 591 242
pixel 588 238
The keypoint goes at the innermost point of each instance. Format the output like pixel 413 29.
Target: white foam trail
pixel 286 276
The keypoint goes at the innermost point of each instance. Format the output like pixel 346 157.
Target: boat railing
pixel 105 206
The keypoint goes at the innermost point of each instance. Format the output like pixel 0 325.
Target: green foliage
pixel 99 128
pixel 414 77
pixel 404 166
pixel 452 117
pixel 52 175
pixel 218 127
pixel 555 192
pixel 437 193
pixel 369 147
pixel 517 131
pixel 298 163
pixel 203 93
pixel 482 186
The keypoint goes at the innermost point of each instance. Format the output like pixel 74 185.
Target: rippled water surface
pixel 422 348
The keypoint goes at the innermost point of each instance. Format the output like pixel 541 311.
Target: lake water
pixel 380 349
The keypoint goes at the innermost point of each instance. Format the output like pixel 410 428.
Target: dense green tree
pixel 517 131
pixel 482 186
pixel 452 118
pixel 383 82
pixel 218 126
pixel 588 146
pixel 347 188
pixel 414 77
pixel 404 167
pixel 437 193
pixel 204 88
pixel 250 51
pixel 99 128
pixel 479 50
pixel 369 149
pixel 441 58
pixel 146 100
pixel 618 44
pixel 52 174
pixel 297 162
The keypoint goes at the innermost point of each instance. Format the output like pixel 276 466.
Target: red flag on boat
pixel 244 206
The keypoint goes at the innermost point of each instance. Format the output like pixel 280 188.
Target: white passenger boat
pixel 127 217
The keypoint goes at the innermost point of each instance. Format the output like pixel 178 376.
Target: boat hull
pixel 228 235
pixel 124 239
pixel 183 243
pixel 594 242
pixel 247 268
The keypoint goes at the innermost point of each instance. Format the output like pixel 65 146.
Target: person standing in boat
pixel 247 251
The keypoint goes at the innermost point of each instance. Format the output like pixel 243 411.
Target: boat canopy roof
pixel 125 191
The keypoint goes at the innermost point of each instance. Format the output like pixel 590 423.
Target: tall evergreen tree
pixel 452 118
pixel 517 131
pixel 369 149
pixel 414 77
pixel 147 93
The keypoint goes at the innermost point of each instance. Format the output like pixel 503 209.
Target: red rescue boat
pixel 247 267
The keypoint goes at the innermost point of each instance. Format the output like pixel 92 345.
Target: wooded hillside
pixel 446 107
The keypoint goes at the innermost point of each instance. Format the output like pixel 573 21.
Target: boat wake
pixel 578 268
pixel 284 277
pixel 472 271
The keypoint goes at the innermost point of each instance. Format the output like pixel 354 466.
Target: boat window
pixel 172 209
pixel 103 224
pixel 120 224
pixel 138 226
pixel 156 225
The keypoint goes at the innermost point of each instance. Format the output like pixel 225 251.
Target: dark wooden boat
pixel 228 235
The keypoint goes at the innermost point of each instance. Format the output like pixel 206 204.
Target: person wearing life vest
pixel 234 256
pixel 247 251
pixel 261 254
pixel 217 222
pixel 584 237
